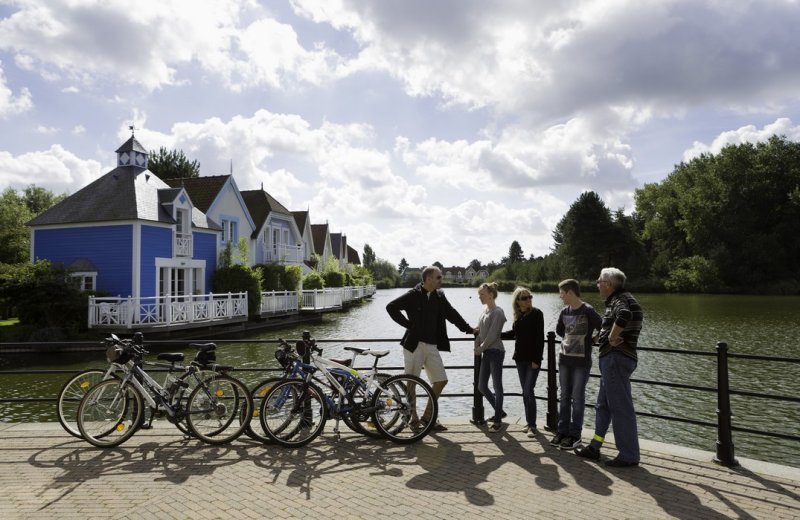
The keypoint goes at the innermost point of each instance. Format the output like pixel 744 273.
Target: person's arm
pixel 455 318
pixel 560 328
pixel 395 308
pixel 623 316
pixel 538 336
pixel 509 334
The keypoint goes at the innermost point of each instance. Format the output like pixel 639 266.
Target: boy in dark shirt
pixel 576 324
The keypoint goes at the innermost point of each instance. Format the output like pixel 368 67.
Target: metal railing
pixel 724 425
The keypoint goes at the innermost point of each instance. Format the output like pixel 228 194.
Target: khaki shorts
pixel 427 356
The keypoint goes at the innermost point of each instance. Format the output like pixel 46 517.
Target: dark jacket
pixel 412 303
pixel 528 335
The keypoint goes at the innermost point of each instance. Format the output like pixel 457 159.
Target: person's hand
pixel 476 330
pixel 615 340
pixel 535 366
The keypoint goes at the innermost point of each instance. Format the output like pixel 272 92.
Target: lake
pixel 765 325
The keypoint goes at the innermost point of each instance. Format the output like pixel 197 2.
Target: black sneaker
pixel 495 426
pixel 569 443
pixel 556 441
pixel 588 452
pixel 619 463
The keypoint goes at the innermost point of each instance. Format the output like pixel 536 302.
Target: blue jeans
pixel 615 405
pixel 527 381
pixel 572 403
pixel 492 364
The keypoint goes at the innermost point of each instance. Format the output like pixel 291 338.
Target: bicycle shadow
pixel 171 461
pixel 349 453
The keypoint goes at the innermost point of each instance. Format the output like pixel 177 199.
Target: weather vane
pixel 132 128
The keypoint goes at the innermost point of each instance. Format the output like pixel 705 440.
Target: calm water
pixel 749 324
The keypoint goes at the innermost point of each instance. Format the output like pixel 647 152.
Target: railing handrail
pixel 724 449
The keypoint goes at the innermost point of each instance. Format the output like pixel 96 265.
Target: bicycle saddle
pixel 172 357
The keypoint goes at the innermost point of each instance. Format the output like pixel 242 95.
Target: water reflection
pixel 752 324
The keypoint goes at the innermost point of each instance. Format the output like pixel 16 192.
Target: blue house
pixel 142 241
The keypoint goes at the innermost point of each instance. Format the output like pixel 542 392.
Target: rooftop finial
pixel 132 128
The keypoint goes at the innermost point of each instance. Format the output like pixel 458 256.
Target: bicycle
pixel 294 411
pixel 112 410
pixel 73 390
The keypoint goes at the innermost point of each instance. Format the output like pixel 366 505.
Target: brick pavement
pixel 463 473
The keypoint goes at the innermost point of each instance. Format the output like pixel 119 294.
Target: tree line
pixel 720 223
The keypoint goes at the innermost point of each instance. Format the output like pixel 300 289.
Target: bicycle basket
pixel 283 357
pixel 117 354
pixel 206 357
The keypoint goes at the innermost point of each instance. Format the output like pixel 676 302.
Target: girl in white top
pixel 488 344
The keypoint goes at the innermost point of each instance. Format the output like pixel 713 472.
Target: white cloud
pixel 9 103
pixel 55 169
pixel 46 130
pixel 746 134
pixel 146 44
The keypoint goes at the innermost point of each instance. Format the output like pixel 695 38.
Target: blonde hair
pixel 491 287
pixel 519 291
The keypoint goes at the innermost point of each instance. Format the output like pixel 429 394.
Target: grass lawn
pixel 9 322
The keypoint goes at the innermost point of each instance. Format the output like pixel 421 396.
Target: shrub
pixel 693 274
pixel 290 277
pixel 334 278
pixel 313 280
pixel 239 278
pixel 270 276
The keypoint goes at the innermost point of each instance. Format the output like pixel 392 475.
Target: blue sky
pixel 432 130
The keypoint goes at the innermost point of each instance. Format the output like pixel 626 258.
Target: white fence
pixel 280 302
pixel 334 298
pixel 183 244
pixel 159 311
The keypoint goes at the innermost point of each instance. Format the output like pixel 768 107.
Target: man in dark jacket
pixel 426 309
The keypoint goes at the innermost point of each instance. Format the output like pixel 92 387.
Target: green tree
pixel 515 253
pixel 475 264
pixel 735 210
pixel 438 264
pixel 402 266
pixel 369 256
pixel 583 237
pixel 172 164
pixel 15 211
pixel 14 236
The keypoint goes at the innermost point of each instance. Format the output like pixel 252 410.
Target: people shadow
pixel 451 467
pixel 674 499
pixel 584 474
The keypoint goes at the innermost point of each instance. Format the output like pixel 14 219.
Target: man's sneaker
pixel 588 452
pixel 495 426
pixel 619 463
pixel 556 441
pixel 569 443
pixel 533 432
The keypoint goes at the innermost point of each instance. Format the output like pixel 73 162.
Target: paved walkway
pixel 465 472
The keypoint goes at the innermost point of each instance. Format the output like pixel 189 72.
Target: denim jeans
pixel 615 405
pixel 572 381
pixel 527 381
pixel 492 364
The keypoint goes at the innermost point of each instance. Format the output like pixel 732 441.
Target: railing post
pixel 477 397
pixel 551 419
pixel 725 455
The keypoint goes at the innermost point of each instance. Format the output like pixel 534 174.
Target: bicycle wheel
pixel 293 413
pixel 213 407
pixel 405 409
pixel 259 392
pixel 70 395
pixel 110 413
pixel 359 419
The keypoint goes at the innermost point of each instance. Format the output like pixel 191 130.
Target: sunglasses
pixel 524 298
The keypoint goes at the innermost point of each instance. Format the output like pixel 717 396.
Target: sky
pixel 432 130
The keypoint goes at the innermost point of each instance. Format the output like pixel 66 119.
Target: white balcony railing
pixel 183 244
pixel 284 254
pixel 160 311
pixel 320 299
pixel 279 302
